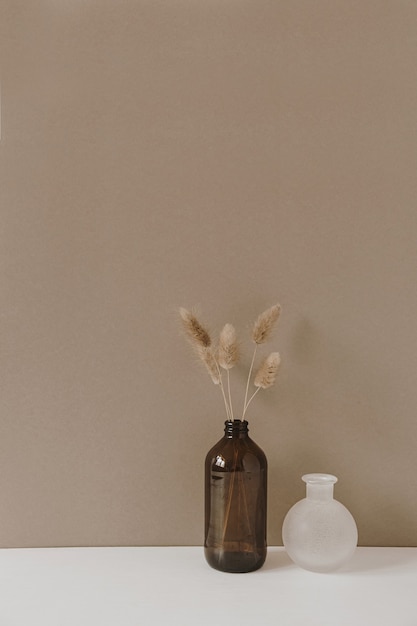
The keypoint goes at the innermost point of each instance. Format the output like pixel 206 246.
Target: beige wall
pixel 221 153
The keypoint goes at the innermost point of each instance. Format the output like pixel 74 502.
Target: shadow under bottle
pixel 235 502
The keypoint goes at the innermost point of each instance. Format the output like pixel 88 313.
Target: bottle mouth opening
pixel 319 479
pixel 236 426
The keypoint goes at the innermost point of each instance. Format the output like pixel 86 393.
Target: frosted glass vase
pixel 319 533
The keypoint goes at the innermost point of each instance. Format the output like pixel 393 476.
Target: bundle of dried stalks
pixel 227 353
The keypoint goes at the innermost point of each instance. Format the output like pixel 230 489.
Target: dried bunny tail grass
pixel 196 333
pixel 228 350
pixel 209 360
pixel 264 324
pixel 267 373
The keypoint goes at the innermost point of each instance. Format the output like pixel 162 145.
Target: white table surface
pixel 175 586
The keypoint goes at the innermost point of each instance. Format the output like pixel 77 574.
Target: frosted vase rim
pixel 319 479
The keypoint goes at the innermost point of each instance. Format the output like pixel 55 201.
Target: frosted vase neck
pixel 320 486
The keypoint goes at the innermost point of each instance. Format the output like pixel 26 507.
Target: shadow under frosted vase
pixel 235 502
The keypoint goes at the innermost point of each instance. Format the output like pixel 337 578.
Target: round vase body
pixel 235 502
pixel 319 533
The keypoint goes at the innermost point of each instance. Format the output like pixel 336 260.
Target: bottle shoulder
pixel 230 450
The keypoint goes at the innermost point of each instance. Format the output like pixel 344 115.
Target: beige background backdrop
pixel 227 154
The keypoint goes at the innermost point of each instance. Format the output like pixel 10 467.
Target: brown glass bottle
pixel 235 502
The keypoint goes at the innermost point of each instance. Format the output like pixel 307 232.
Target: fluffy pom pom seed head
pixel 228 350
pixel 196 333
pixel 264 324
pixel 267 373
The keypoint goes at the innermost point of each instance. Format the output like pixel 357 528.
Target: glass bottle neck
pixel 236 429
pixel 321 493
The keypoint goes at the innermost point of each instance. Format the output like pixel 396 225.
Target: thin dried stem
pixel 227 407
pixel 230 493
pixel 249 401
pixel 248 381
pixel 228 355
pixel 207 356
pixel 265 376
pixel 230 395
pixel 209 360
